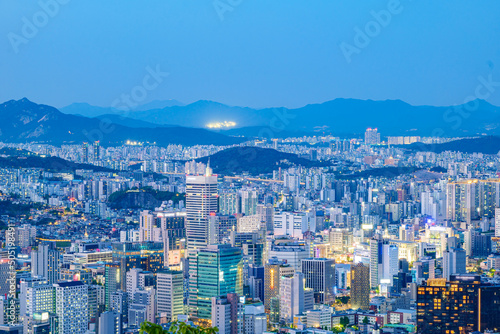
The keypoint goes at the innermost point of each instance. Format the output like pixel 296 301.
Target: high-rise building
pixel 454 306
pixel 97 151
pixel 110 323
pixel 201 201
pixel 45 262
pixel 468 200
pixel 85 152
pixel 220 227
pixel 319 275
pixel 266 214
pixel 384 262
pixel 497 222
pixel 144 255
pixel 216 270
pixel 360 286
pixel 292 224
pixel 225 313
pixel 372 137
pixel 295 299
pixel 173 232
pixel 36 296
pixel 229 203
pixel 170 294
pixel 71 307
pixel 454 262
pixel 272 273
pixel 112 283
pixel 249 200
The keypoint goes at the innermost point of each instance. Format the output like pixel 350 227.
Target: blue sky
pixel 256 53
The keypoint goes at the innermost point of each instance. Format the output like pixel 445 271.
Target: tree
pixel 344 321
pixel 365 320
pixel 176 327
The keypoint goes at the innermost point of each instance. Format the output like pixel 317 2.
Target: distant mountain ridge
pixel 25 121
pixel 337 117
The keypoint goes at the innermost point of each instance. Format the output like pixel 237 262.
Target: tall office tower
pixel 220 227
pixel 452 306
pixel 360 286
pixel 173 232
pixel 272 273
pixel 229 203
pixel 249 200
pixel 97 151
pixel 390 262
pixel 375 262
pixel 146 225
pixel 71 307
pixel 372 137
pixel 110 323
pixel 112 281
pixel 294 297
pixel 36 296
pixel 85 152
pixel 225 313
pixel 256 281
pixel 454 262
pixel 145 255
pixel 170 294
pixel 217 271
pixel 266 214
pixel 201 201
pixel 319 275
pixel 45 262
pixel 384 262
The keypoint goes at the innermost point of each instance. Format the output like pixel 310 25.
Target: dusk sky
pixel 257 53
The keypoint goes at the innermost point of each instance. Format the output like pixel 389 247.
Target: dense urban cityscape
pixel 249 167
pixel 380 239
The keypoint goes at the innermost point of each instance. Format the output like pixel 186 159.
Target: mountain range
pixel 25 121
pixel 340 117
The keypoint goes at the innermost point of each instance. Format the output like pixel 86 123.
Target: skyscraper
pixel 45 262
pixel 360 286
pixel 71 307
pixel 112 282
pixel 201 200
pixel 449 306
pixel 217 270
pixel 272 273
pixel 319 275
pixel 294 297
pixel 169 289
pixel 454 262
